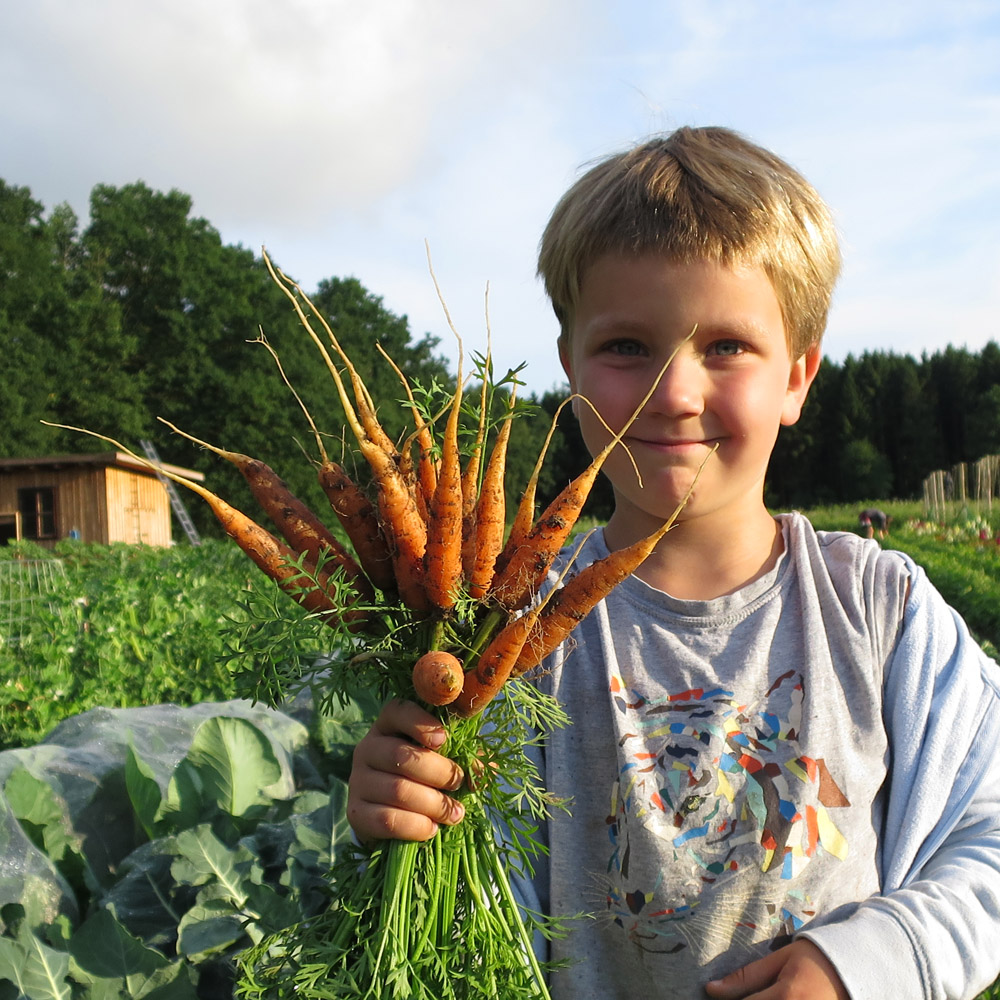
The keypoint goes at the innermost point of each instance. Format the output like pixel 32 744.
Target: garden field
pixel 219 844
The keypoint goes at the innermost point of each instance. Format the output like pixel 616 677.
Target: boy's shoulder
pixel 857 573
pixel 840 548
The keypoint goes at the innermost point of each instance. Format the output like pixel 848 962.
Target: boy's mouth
pixel 673 444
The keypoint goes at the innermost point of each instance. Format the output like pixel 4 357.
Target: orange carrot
pixel 443 555
pixel 526 564
pixel 357 516
pixel 402 525
pixel 576 598
pixel 524 516
pixel 568 605
pixel 275 560
pixel 438 677
pixel 491 512
pixel 470 483
pixel 484 681
pixel 426 467
pixel 299 526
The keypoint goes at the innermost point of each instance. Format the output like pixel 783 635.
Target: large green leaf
pixel 143 790
pixel 230 765
pixel 203 859
pixel 145 897
pixel 318 834
pixel 41 813
pixel 172 982
pixel 208 928
pixel 37 970
pixel 104 948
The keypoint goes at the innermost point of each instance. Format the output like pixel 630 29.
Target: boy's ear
pixel 799 380
pixel 565 362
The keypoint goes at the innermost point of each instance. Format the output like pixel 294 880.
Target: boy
pixel 781 759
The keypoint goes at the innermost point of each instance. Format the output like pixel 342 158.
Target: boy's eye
pixel 726 348
pixel 625 348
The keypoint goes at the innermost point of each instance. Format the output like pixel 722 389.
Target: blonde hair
pixel 699 194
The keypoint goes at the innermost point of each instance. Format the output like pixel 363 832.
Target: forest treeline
pixel 145 312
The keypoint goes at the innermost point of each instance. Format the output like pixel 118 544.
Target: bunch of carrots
pixel 434 599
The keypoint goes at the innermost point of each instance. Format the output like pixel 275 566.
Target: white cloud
pixel 288 110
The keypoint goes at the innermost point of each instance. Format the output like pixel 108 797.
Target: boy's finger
pixel 407 718
pixel 404 760
pixel 387 806
pixel 397 824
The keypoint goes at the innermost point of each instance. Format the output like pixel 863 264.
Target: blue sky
pixel 342 135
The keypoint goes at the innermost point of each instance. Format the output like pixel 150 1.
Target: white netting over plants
pixel 26 586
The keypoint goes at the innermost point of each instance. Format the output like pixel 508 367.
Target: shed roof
pixel 104 458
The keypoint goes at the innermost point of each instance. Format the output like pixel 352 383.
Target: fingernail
pixel 457 812
pixel 435 738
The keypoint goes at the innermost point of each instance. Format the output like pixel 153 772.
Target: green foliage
pixel 961 556
pixel 166 926
pixel 132 625
pixel 395 912
pixel 233 852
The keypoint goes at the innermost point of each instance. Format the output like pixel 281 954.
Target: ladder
pixel 175 499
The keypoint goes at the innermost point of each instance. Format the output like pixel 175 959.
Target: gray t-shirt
pixel 725 763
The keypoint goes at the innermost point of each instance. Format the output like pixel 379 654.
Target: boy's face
pixel 732 384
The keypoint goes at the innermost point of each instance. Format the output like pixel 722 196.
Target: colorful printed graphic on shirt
pixel 726 786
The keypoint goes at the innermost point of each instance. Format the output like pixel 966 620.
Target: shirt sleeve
pixel 932 931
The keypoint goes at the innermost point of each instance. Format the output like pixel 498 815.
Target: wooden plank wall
pixel 139 508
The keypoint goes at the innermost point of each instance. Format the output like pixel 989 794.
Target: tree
pixel 61 337
pixel 32 298
pixel 952 379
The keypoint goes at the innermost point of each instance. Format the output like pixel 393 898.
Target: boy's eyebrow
pixel 735 329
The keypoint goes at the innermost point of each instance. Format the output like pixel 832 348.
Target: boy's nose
pixel 679 391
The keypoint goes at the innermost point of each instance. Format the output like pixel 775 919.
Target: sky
pixel 347 137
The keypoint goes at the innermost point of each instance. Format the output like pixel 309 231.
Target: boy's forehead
pixel 619 278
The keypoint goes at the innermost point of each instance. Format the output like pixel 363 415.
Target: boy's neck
pixel 701 559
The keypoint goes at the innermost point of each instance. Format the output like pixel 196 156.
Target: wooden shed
pixel 105 497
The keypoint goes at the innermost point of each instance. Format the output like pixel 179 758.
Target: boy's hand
pixel 799 971
pixel 397 784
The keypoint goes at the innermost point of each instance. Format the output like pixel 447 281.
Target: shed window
pixel 37 505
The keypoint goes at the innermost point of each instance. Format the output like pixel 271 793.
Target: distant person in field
pixel 872 519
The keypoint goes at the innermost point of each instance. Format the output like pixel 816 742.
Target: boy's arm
pixel 932 932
